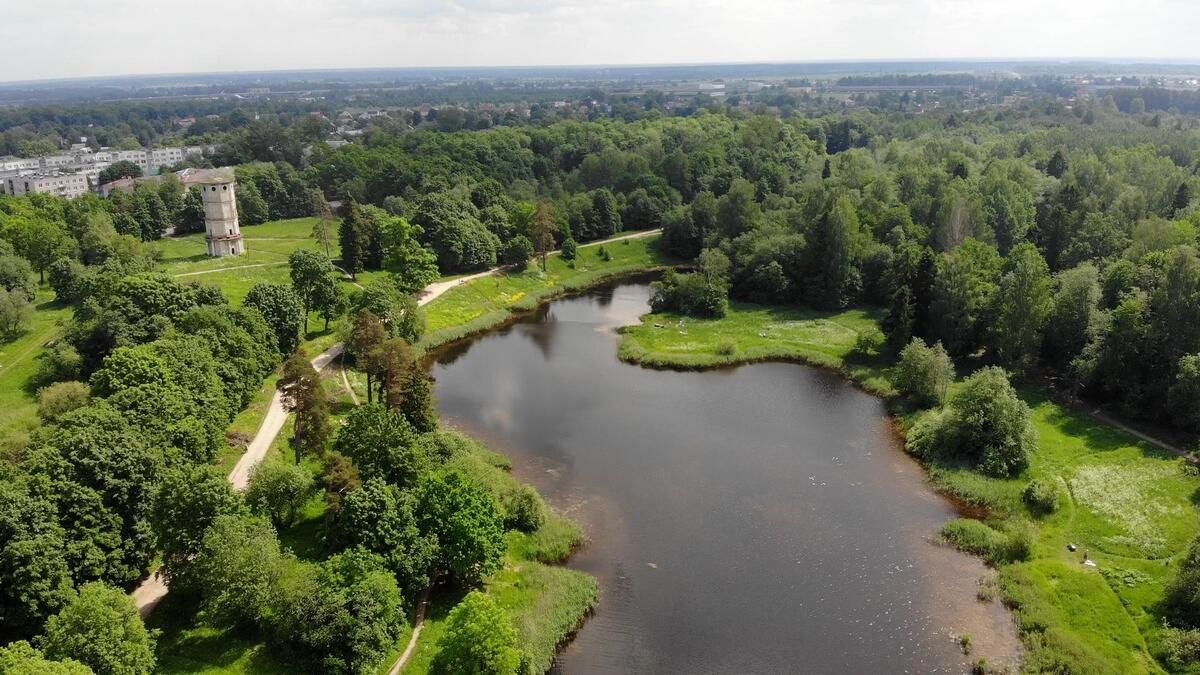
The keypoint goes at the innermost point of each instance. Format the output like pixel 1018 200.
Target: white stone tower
pixel 220 215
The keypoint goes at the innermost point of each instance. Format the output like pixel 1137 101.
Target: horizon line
pixel 1126 61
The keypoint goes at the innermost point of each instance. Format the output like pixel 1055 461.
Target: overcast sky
pixel 67 38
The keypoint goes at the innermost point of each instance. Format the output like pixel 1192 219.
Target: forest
pixel 1050 243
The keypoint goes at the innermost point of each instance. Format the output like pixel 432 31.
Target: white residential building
pixel 85 165
pixel 61 184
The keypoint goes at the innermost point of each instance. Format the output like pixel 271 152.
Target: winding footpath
pixel 231 269
pixel 154 589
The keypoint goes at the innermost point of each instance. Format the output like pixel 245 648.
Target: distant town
pixel 346 109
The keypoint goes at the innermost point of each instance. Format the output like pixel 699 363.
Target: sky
pixel 72 38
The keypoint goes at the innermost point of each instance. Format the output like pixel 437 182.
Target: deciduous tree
pixel 101 629
pixel 479 638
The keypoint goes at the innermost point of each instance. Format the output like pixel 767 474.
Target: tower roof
pixel 206 176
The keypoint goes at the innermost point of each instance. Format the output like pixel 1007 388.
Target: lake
pixel 761 519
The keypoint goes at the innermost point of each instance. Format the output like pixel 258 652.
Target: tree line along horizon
pixel 1050 242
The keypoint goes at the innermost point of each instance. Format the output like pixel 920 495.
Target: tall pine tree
pixel 352 240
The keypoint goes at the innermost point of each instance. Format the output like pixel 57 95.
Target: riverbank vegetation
pixel 1126 504
pixel 490 300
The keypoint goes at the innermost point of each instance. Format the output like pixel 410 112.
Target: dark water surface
pixel 755 520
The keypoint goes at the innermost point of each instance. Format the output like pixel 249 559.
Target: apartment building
pixel 61 173
pixel 48 182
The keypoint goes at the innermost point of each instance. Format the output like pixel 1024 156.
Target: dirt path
pixel 418 624
pixel 230 269
pixel 346 380
pixel 154 589
pixel 1101 416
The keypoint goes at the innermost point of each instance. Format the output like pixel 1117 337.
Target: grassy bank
pixel 750 333
pixel 1129 505
pixel 488 301
pixel 547 602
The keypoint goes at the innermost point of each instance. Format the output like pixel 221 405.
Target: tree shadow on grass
pixel 176 260
pixel 306 538
pixel 342 407
pixel 1095 434
pixel 317 330
pixel 183 644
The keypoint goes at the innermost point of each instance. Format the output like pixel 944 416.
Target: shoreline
pixel 860 379
pixel 1073 442
pixel 449 337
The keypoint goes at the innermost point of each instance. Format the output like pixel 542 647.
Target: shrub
pixel 1041 496
pixel 101 628
pixel 985 423
pixel 279 491
pixel 868 343
pixel 1012 544
pixel 61 398
pixel 690 294
pixel 20 658
pixel 525 510
pixel 517 252
pixel 570 249
pixel 60 362
pixel 479 637
pixel 924 373
pixel 442 446
pixel 603 254
pixel 1182 647
pixel 1183 592
pixel 727 347
pixel 930 435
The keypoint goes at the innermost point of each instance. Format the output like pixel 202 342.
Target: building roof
pixel 119 184
pixel 206 176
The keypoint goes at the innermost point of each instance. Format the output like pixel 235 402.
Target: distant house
pixel 125 184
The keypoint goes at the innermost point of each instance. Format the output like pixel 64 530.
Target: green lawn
pixel 750 333
pixel 485 302
pixel 267 247
pixel 1129 505
pixel 19 361
pixel 275 235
